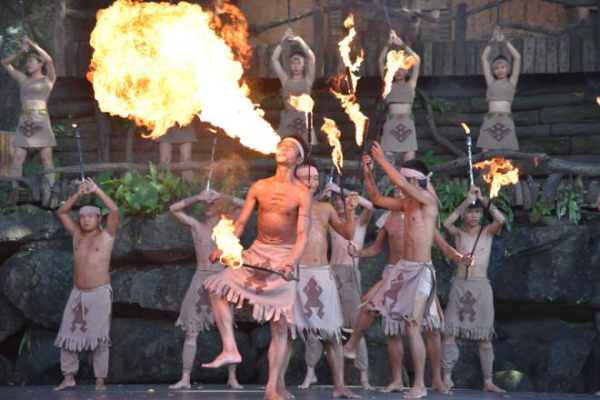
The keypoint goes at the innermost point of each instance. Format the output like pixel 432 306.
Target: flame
pixel 502 172
pixel 396 60
pixel 598 100
pixel 234 31
pixel 303 103
pixel 466 128
pixel 330 128
pixel 351 107
pixel 161 64
pixel 228 243
pixel 535 161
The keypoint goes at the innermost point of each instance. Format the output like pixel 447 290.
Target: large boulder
pixel 5 371
pixel 142 351
pixel 11 320
pixel 38 284
pixel 550 265
pixel 28 224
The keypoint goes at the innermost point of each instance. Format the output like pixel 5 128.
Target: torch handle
pixel 349 80
pixel 22 4
pixel 212 160
pixel 78 140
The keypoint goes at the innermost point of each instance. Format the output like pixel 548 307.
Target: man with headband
pixel 86 320
pixel 317 309
pixel 408 292
pixel 470 308
pixel 196 313
pixel 283 205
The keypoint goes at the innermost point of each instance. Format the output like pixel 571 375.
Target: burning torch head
pixel 297 63
pixel 500 67
pixel 308 174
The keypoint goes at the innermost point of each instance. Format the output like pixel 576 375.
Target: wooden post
pixel 59 40
pixel 460 36
pixel 319 38
pixel 131 131
pixel 103 135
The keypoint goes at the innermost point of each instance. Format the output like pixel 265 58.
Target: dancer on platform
pixel 347 275
pixel 470 309
pixel 34 128
pixel 196 313
pixel 86 320
pixel 317 308
pixel 399 133
pixel 185 137
pixel 408 292
pixel 391 226
pixel 283 204
pixel 498 129
pixel 300 81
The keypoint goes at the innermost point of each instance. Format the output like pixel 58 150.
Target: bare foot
pixel 393 387
pixel 440 387
pixel 364 381
pixel 224 359
pixel 489 387
pixel 182 384
pixel 310 379
pixel 100 384
pixel 234 384
pixel 344 393
pixel 67 383
pixel 349 352
pixel 271 394
pixel 449 383
pixel 416 392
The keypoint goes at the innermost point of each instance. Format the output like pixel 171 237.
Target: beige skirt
pixel 348 283
pixel 270 296
pixel 498 132
pixel 86 319
pixel 34 130
pixel 175 135
pixel 196 312
pixel 470 309
pixel 317 308
pixel 292 122
pixel 399 134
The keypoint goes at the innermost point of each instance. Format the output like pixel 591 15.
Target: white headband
pixel 90 210
pixel 411 173
pixel 297 143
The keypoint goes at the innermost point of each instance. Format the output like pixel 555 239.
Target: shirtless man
pixel 347 276
pixel 86 319
pixel 283 205
pixel 317 309
pixel 408 292
pixel 196 314
pixel 391 226
pixel 470 309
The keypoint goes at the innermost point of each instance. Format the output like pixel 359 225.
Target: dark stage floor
pixel 252 392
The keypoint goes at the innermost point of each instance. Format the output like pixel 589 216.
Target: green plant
pixel 451 193
pixel 569 199
pixel 578 95
pixel 442 105
pixel 540 210
pixel 502 201
pixel 59 129
pixel 34 165
pixel 430 160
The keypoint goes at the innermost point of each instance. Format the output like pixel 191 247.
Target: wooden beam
pixel 463 162
pixel 573 3
pixel 460 37
pixel 564 54
pixel 549 32
pixel 59 38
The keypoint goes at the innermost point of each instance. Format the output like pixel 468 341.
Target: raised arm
pixel 422 196
pixel 276 59
pixel 499 219
pixel 383 55
pixel 112 221
pixel 7 63
pixel 50 71
pixel 376 248
pixel 248 208
pixel 449 251
pixel 177 209
pixel 345 229
pixel 63 212
pixel 373 192
pixel 311 60
pixel 459 212
pixel 485 65
pixel 516 67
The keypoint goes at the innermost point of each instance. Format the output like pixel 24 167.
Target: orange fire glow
pixel 598 100
pixel 234 31
pixel 501 173
pixel 228 243
pixel 330 129
pixel 160 64
pixel 396 60
pixel 303 103
pixel 535 161
pixel 351 107
pixel 466 128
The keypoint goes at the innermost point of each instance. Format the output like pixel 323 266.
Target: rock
pixel 38 283
pixel 592 193
pixel 598 321
pixel 540 266
pixel 11 320
pixel 5 371
pixel 142 351
pixel 513 381
pixel 28 224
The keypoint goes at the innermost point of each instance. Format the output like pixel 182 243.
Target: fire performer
pixel 399 133
pixel 302 69
pixel 317 308
pixel 391 225
pixel 408 292
pixel 185 137
pixel 498 129
pixel 196 313
pixel 284 205
pixel 470 309
pixel 86 320
pixel 34 128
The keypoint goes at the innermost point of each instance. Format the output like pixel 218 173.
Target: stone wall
pixel 545 279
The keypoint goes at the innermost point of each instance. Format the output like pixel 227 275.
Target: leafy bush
pixel 569 199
